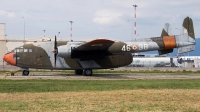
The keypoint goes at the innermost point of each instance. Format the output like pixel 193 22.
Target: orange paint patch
pixel 9 58
pixel 169 42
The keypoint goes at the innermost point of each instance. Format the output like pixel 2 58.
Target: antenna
pixel 135 21
pixel 71 29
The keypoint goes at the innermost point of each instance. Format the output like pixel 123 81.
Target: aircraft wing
pixel 97 44
pixel 94 49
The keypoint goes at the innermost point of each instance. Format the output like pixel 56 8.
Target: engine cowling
pixel 65 50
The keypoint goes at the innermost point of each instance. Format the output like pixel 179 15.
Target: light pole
pixel 71 30
pixel 24 29
pixel 58 33
pixel 135 20
pixel 44 32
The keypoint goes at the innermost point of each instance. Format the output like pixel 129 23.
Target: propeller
pixel 55 51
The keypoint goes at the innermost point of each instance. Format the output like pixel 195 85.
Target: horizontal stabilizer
pixel 161 52
pixel 186 49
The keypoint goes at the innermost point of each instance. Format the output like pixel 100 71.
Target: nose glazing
pixel 9 58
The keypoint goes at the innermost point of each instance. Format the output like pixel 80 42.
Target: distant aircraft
pixel 154 62
pixel 83 56
pixel 189 57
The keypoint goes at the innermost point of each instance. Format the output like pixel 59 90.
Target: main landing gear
pixel 87 72
pixel 78 72
pixel 25 73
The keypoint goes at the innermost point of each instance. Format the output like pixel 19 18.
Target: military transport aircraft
pixel 83 56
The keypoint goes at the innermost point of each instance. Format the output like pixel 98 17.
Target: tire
pixel 78 72
pixel 25 72
pixel 88 72
pixel 12 74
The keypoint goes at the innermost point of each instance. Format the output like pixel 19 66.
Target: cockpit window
pixel 25 50
pixel 14 50
pixel 22 50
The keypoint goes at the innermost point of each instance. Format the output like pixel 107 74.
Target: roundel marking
pixel 134 47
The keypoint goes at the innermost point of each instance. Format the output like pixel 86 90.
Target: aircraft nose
pixel 9 58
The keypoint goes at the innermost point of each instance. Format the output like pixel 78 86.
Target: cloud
pixel 11 14
pixel 7 14
pixel 2 12
pixel 107 16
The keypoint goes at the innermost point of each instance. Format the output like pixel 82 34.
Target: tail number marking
pixel 126 48
pixel 135 47
pixel 143 46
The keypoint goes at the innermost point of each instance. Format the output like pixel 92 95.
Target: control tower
pixel 2 42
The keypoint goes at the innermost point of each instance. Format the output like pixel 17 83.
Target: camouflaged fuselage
pixel 39 55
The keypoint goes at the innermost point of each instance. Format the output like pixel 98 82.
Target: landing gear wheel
pixel 78 72
pixel 25 72
pixel 88 72
pixel 12 74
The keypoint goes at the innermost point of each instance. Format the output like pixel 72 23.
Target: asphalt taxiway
pixel 62 76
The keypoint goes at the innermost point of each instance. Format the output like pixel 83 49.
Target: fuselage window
pixel 25 50
pixel 30 50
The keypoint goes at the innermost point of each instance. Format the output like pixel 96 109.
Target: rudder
pixel 188 27
pixel 187 36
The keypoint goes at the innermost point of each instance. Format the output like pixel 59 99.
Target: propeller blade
pixel 55 60
pixel 55 51
pixel 55 43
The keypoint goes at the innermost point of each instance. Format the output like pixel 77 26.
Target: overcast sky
pixel 112 19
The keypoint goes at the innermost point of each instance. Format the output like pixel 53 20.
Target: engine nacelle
pixel 65 50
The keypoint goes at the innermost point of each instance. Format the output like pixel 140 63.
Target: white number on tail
pixel 126 48
pixel 135 47
pixel 143 46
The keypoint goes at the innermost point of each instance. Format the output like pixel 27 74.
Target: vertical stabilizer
pixel 167 30
pixel 166 33
pixel 187 36
pixel 188 28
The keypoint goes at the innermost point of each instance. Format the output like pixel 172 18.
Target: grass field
pixel 109 101
pixel 42 85
pixel 100 95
